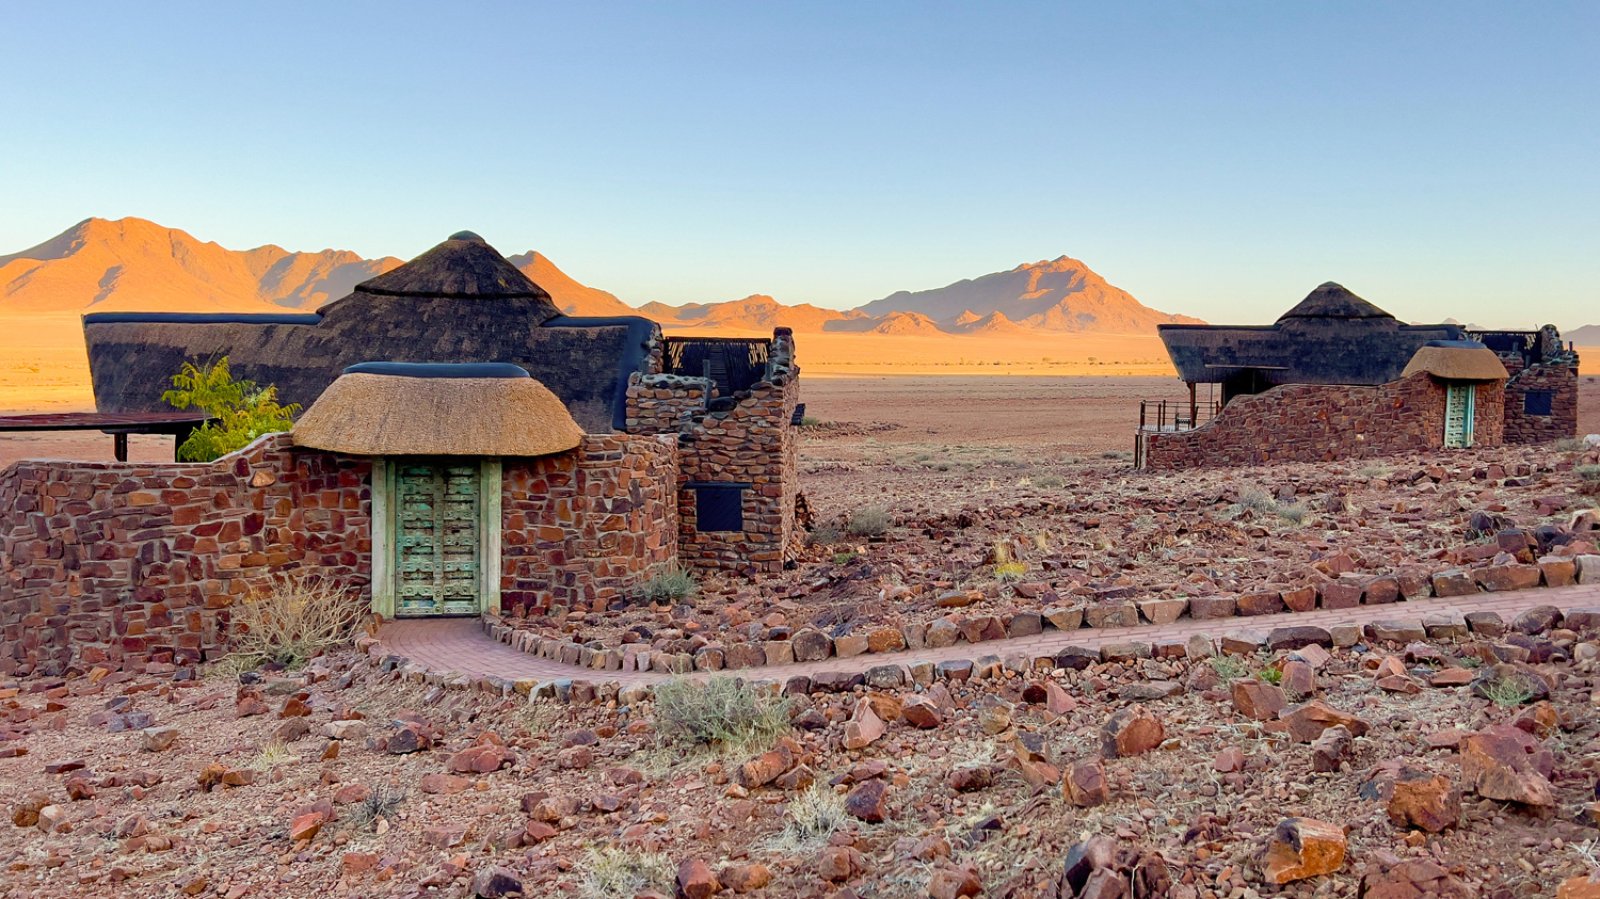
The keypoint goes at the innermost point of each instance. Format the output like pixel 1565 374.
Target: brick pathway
pixel 459 644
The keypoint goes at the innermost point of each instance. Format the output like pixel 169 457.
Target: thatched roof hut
pixel 399 409
pixel 1330 337
pixel 459 302
pixel 1457 360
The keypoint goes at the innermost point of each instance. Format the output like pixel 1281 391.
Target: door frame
pixel 383 525
pixel 1469 425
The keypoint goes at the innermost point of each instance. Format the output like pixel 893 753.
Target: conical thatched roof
pixel 463 266
pixel 1457 360
pixel 417 409
pixel 1332 300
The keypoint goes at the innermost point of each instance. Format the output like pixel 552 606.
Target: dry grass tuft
pixel 721 713
pixel 614 873
pixel 293 619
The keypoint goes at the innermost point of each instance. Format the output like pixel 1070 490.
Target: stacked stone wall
pixel 124 563
pixel 1560 378
pixel 665 404
pixel 752 443
pixel 586 527
pixel 1317 423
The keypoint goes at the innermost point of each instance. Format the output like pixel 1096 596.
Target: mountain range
pixel 131 264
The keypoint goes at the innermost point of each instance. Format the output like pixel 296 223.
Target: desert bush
pixel 1049 481
pixel 811 421
pixel 813 816
pixel 1010 572
pixel 242 410
pixel 610 872
pixel 720 713
pixel 844 558
pixel 1271 675
pixel 1569 445
pixel 1229 668
pixel 1261 503
pixel 669 586
pixel 868 521
pixel 1589 473
pixel 1506 691
pixel 825 535
pixel 293 618
pixel 272 755
pixel 382 802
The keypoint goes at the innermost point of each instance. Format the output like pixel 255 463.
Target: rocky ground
pixel 1430 767
pixel 966 551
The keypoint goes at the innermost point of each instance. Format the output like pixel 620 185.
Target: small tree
pixel 241 410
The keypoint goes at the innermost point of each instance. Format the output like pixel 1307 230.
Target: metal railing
pixel 1170 416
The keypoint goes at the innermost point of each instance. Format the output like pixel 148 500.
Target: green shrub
pixel 843 558
pixel 1271 675
pixel 1590 473
pixel 1229 668
pixel 868 521
pixel 242 411
pixel 1049 481
pixel 669 586
pixel 825 535
pixel 720 713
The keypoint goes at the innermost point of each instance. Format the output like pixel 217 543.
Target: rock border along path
pixel 459 646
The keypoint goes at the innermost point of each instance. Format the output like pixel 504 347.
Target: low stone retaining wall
pixel 811 645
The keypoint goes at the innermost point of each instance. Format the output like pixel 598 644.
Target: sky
pixel 1218 159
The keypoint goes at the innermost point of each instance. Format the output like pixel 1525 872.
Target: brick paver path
pixel 459 644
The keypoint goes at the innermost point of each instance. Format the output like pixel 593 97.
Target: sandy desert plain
pixel 1390 761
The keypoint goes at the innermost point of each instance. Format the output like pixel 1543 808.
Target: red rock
pixel 1229 760
pixel 306 826
pixel 1259 604
pixel 866 801
pixel 349 794
pixel 696 880
pixel 538 831
pixel 26 813
pixel 1497 578
pixel 1331 749
pixel 1399 683
pixel 765 768
pixel 864 727
pixel 251 706
pixel 444 836
pixel 1303 847
pixel 1584 886
pixel 1257 700
pixel 954 883
pixel 1451 677
pixel 79 788
pixel 970 778
pixel 445 784
pixel 1131 731
pixel 158 739
pixel 1057 700
pixel 481 759
pixel 919 711
pixel 358 862
pixel 1502 762
pixel 294 707
pixel 1307 721
pixel 837 864
pixel 496 883
pixel 1414 796
pixel 745 878
pixel 1084 784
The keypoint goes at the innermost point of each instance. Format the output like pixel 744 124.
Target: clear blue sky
pixel 1214 158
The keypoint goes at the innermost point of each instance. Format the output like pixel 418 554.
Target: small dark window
pixel 1537 402
pixel 719 507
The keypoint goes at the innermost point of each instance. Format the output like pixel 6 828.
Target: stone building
pixel 466 449
pixel 1336 377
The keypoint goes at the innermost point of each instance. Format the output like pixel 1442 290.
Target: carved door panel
pixel 1458 415
pixel 437 546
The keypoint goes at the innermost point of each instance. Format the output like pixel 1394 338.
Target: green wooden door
pixel 1458 415
pixel 437 546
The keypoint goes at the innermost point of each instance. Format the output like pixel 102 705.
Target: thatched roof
pixel 1457 360
pixel 459 302
pixel 400 409
pixel 1330 337
pixel 1334 301
pixel 462 266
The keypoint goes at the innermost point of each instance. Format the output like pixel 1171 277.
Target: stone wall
pixel 1561 379
pixel 1315 423
pixel 753 443
pixel 665 404
pixel 117 563
pixel 585 527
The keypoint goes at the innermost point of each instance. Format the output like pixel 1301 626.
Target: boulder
pixel 1131 731
pixel 1303 847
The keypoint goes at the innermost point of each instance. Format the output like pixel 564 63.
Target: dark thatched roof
pixel 1332 300
pixel 463 266
pixel 1330 337
pixel 455 303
